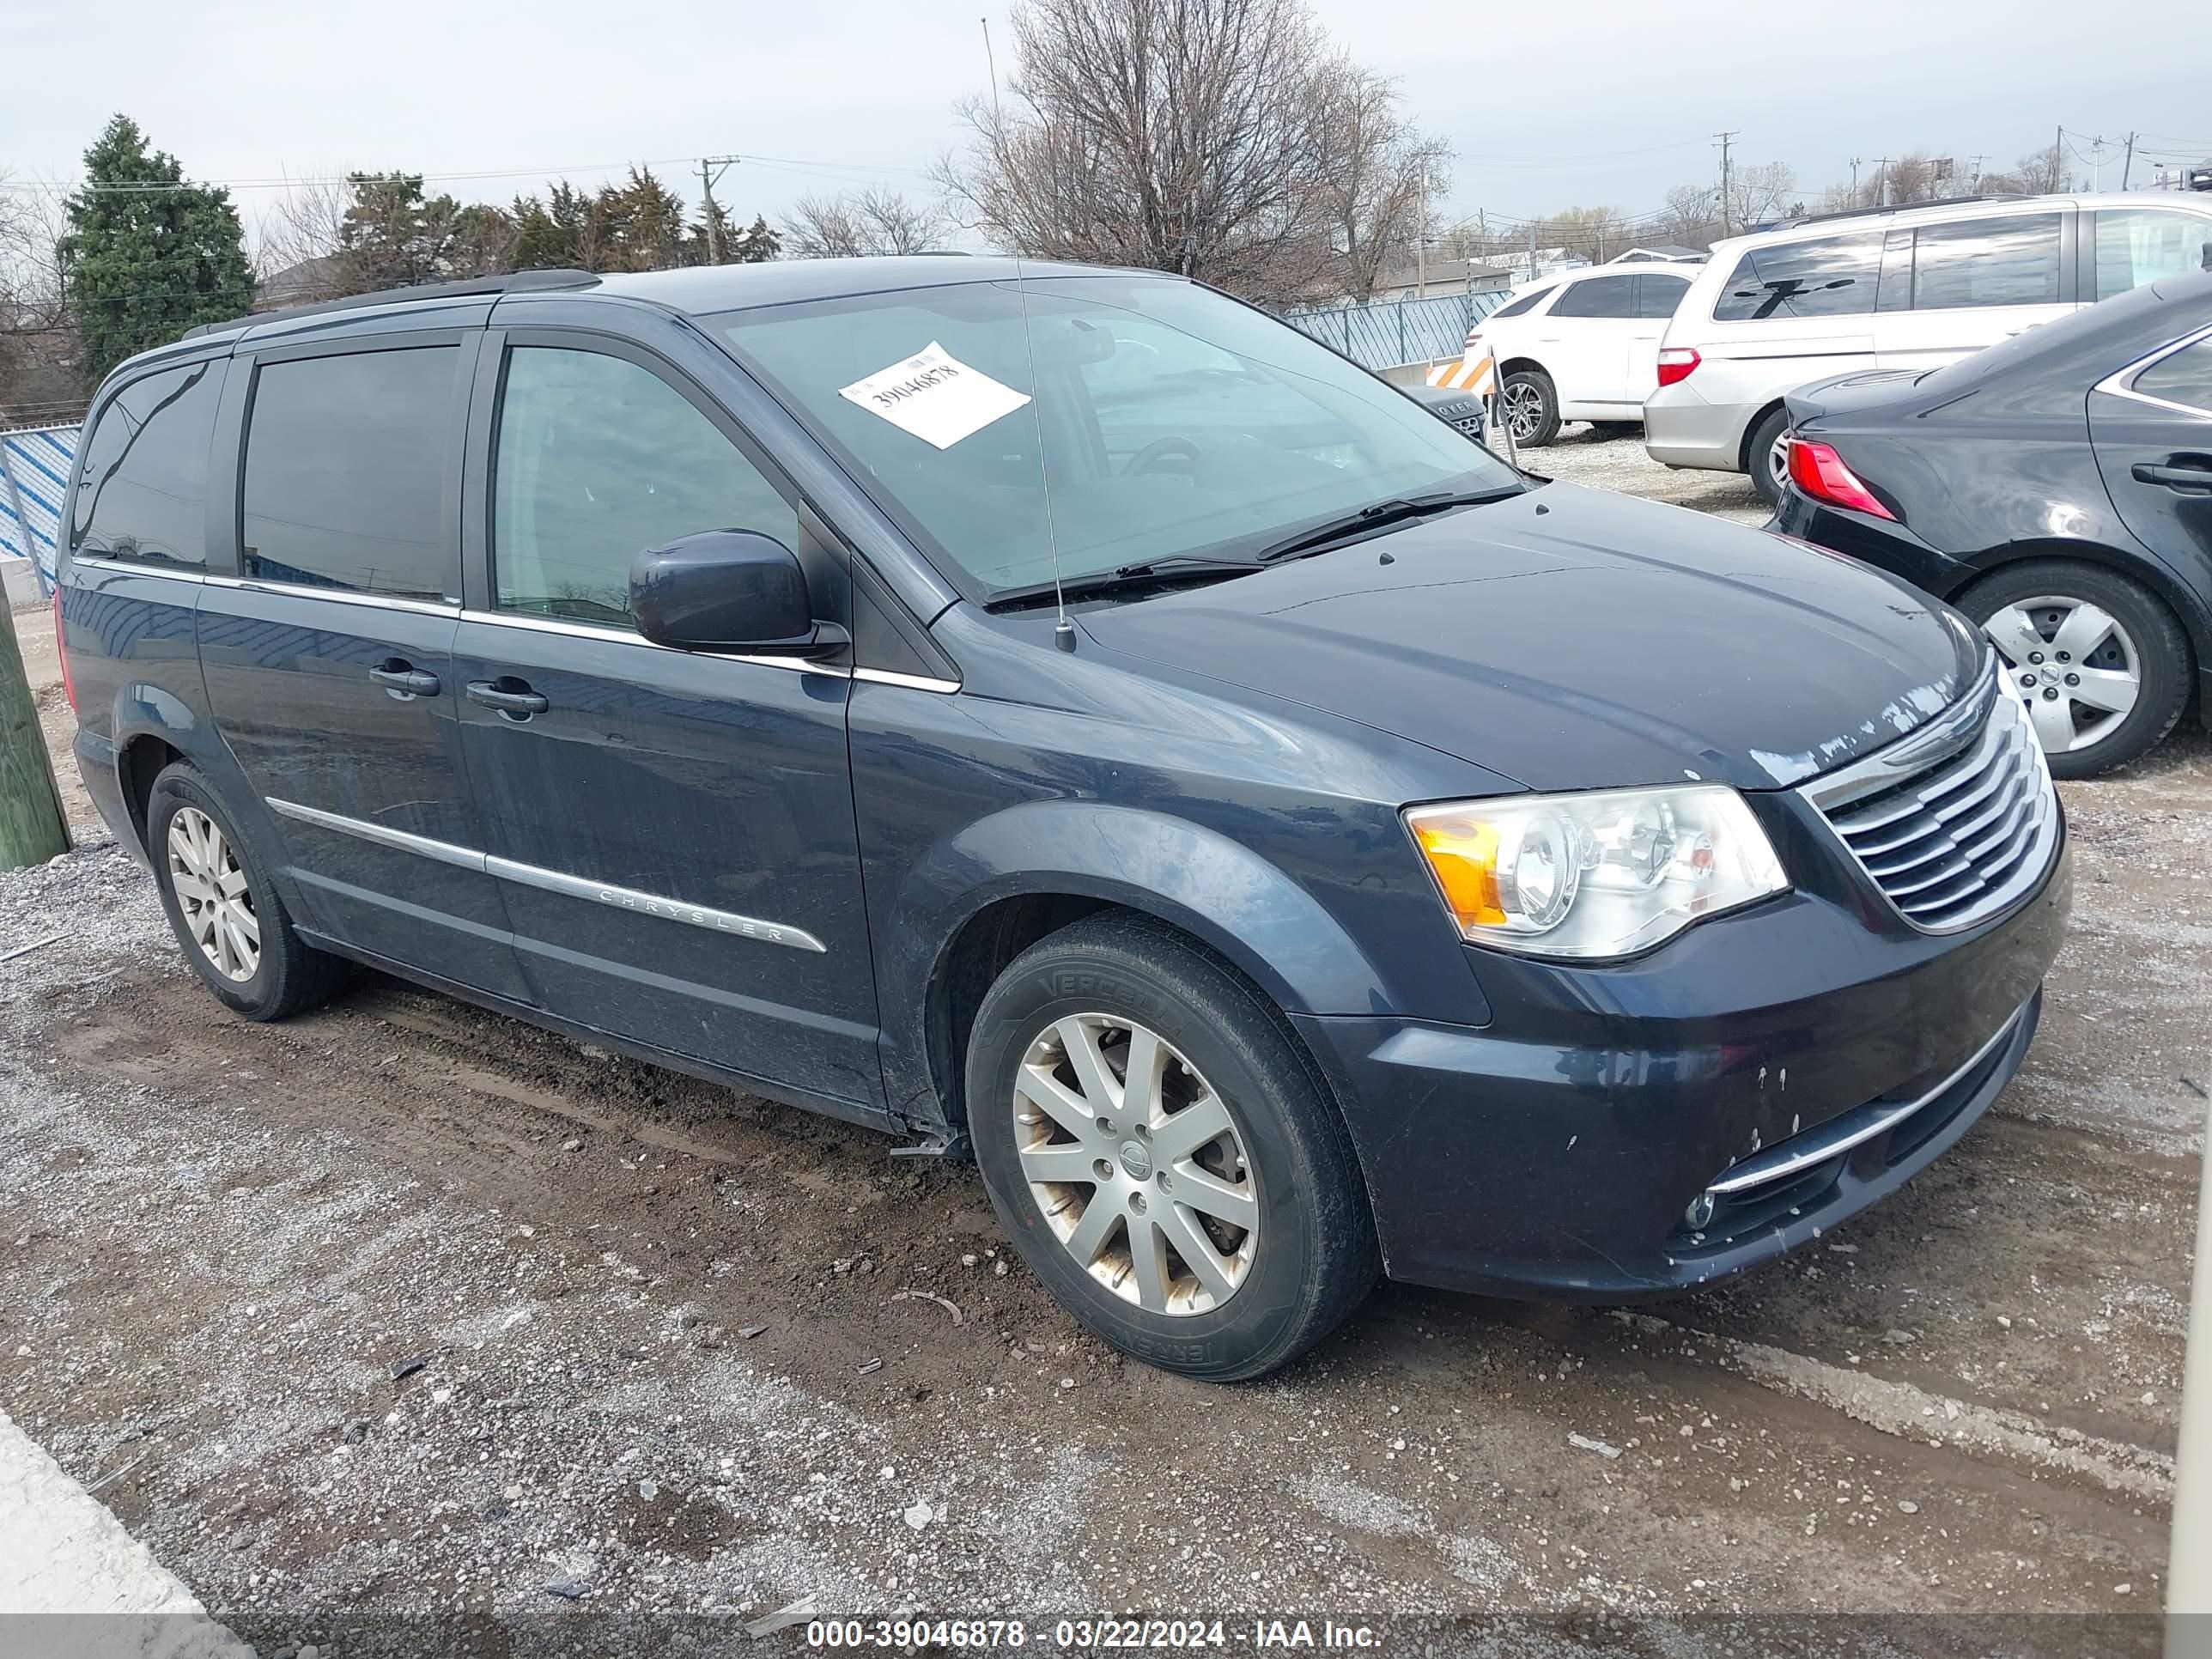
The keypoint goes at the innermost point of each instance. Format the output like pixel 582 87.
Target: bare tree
pixel 1378 198
pixel 305 226
pixel 1759 194
pixel 1203 136
pixel 2039 172
pixel 863 222
pixel 41 356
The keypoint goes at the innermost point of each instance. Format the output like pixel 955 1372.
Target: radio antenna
pixel 1063 632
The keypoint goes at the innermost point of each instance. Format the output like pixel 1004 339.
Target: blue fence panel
pixel 1395 332
pixel 37 462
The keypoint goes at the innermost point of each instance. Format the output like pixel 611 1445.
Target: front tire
pixel 1163 1154
pixel 2101 664
pixel 225 914
pixel 1766 456
pixel 1532 408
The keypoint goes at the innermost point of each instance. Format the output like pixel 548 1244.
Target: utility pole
pixel 2058 160
pixel 2127 165
pixel 1724 137
pixel 1855 181
pixel 31 828
pixel 1881 181
pixel 1974 179
pixel 1421 248
pixel 711 169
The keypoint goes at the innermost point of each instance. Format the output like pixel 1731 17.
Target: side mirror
pixel 728 590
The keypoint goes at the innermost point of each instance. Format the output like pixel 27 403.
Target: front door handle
pixel 2173 478
pixel 511 697
pixel 403 680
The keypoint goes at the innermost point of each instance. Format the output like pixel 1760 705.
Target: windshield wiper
pixel 1146 573
pixel 1379 515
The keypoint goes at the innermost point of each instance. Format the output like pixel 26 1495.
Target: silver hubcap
pixel 2072 664
pixel 1524 410
pixel 211 892
pixel 1777 459
pixel 1136 1163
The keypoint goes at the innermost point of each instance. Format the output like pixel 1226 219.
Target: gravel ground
pixel 1584 455
pixel 402 1313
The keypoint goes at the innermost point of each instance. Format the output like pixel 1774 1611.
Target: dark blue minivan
pixel 1065 713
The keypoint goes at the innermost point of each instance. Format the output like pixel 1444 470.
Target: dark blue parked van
pixel 1066 713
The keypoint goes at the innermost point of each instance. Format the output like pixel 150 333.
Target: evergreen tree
pixel 759 245
pixel 144 264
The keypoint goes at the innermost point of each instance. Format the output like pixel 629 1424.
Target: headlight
pixel 1602 874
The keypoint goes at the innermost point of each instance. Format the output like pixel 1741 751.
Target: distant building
pixel 299 285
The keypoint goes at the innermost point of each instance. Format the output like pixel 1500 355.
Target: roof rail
pixel 517 281
pixel 1893 207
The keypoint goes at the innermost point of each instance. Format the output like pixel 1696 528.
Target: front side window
pixel 1525 304
pixel 1658 296
pixel 1113 420
pixel 2137 246
pixel 599 459
pixel 1600 296
pixel 143 494
pixel 1826 277
pixel 2183 377
pixel 346 470
pixel 1986 262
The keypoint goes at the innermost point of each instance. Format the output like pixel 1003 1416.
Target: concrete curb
pixel 73 1582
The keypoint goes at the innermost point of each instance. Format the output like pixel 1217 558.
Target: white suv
pixel 1893 287
pixel 1581 347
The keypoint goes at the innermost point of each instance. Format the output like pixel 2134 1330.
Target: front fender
pixel 1213 887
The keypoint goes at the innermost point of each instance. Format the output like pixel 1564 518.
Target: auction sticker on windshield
pixel 935 396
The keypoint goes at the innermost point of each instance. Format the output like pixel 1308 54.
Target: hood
pixel 1575 638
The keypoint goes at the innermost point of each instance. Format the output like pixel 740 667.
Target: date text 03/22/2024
pixel 1088 1634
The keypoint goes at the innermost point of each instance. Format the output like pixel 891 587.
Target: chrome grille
pixel 1956 822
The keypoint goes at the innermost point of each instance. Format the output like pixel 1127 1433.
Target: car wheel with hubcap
pixel 2102 667
pixel 233 925
pixel 1767 456
pixel 1164 1153
pixel 1532 408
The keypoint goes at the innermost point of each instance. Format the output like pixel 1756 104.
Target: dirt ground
pixel 404 1309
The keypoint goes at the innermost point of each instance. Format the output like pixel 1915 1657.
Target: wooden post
pixel 32 828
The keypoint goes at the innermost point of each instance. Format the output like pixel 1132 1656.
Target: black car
pixel 2057 489
pixel 1068 715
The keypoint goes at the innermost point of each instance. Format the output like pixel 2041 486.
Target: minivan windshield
pixel 1169 423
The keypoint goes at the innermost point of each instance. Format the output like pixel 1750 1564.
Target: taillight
pixel 1676 363
pixel 61 650
pixel 1817 471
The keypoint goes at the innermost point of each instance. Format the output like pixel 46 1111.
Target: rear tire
pixel 1766 460
pixel 1532 404
pixel 2043 607
pixel 1106 1193
pixel 234 928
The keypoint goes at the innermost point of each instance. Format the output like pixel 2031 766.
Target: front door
pixel 328 657
pixel 2152 427
pixel 673 833
pixel 1586 339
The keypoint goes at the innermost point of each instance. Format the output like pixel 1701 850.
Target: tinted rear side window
pixel 1986 262
pixel 1601 296
pixel 346 470
pixel 2137 246
pixel 2184 378
pixel 1828 276
pixel 1658 296
pixel 143 494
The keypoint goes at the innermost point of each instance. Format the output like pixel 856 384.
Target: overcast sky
pixel 1548 104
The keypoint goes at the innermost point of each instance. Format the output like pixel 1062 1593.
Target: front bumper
pixel 1680 429
pixel 1554 1153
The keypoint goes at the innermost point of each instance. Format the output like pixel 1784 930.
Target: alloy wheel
pixel 1524 410
pixel 2073 666
pixel 1778 461
pixel 1137 1164
pixel 213 896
